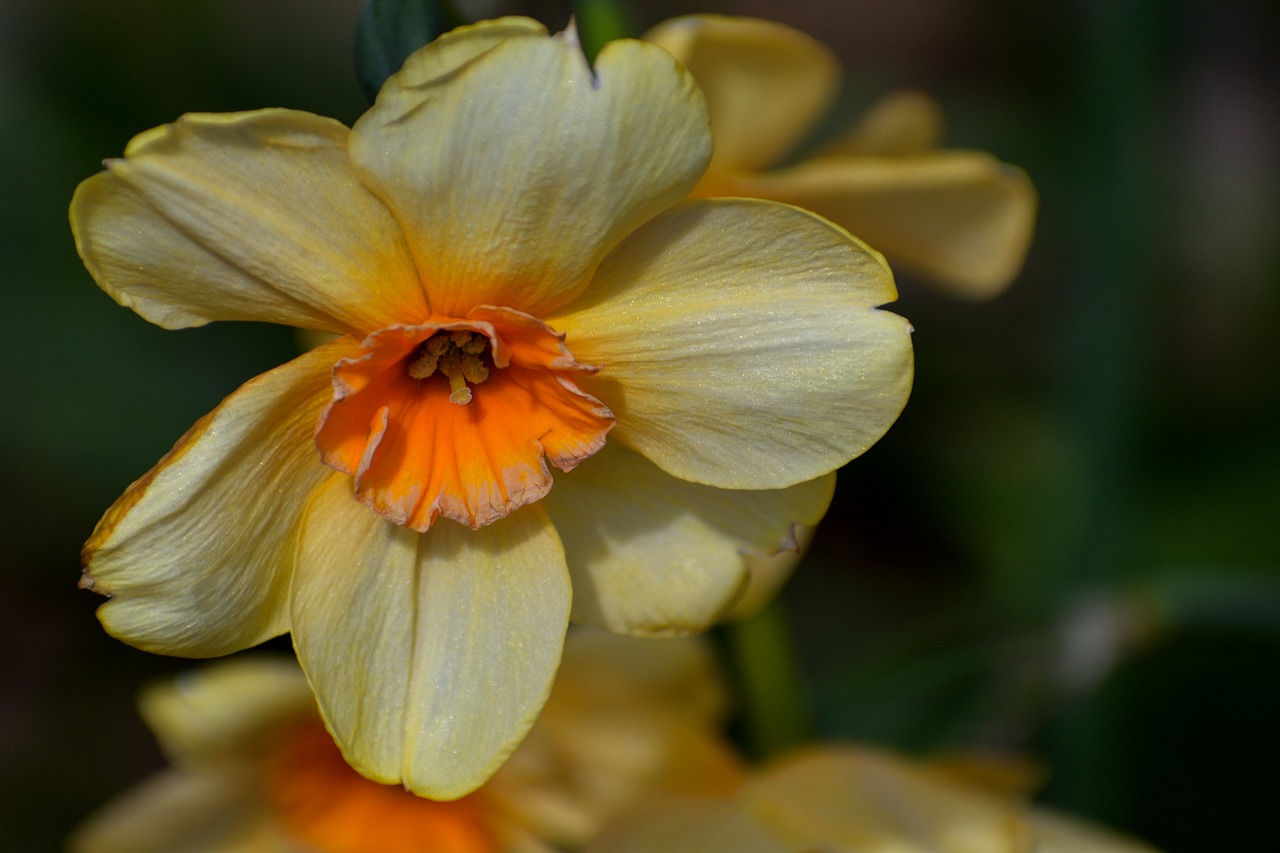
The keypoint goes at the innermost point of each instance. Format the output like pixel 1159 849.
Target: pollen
pixel 458 356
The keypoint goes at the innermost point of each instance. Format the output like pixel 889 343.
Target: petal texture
pixel 961 217
pixel 766 84
pixel 582 160
pixel 196 555
pixel 663 556
pixel 739 345
pixel 245 216
pixel 430 654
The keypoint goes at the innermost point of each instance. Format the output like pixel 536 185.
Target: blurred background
pixel 1068 548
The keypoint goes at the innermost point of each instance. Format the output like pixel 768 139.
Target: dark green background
pixel 1067 547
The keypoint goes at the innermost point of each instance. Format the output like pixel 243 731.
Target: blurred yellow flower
pixel 962 218
pixel 254 769
pixel 386 497
pixel 846 799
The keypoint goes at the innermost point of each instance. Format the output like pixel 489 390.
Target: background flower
pixel 848 798
pixel 962 218
pixel 254 769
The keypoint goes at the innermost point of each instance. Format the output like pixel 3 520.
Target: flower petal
pixel 517 171
pixel 766 84
pixel 960 217
pixel 220 715
pixel 192 812
pixel 900 123
pixel 196 555
pixel 739 346
pixel 245 216
pixel 662 556
pixel 430 654
pixel 688 825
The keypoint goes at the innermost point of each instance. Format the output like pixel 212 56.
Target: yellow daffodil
pixel 962 218
pixel 254 769
pixel 501 247
pixel 851 799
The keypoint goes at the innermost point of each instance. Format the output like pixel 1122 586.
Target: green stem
pixel 774 712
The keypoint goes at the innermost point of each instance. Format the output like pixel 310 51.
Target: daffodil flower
pixel 501 247
pixel 836 797
pixel 961 218
pixel 253 768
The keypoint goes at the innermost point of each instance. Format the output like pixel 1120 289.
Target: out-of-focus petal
pixel 663 556
pixel 245 216
pixel 430 654
pixel 194 813
pixel 584 158
pixel 900 123
pixel 766 84
pixel 690 825
pixel 768 570
pixel 961 217
pixel 225 714
pixel 740 346
pixel 196 555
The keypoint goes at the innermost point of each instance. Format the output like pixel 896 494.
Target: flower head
pixel 501 248
pixel 851 798
pixel 962 218
pixel 254 768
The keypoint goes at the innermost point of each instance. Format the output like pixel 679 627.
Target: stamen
pixel 458 356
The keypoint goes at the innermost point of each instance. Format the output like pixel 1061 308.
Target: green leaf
pixel 387 31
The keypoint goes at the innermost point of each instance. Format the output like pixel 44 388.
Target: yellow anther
pixel 458 356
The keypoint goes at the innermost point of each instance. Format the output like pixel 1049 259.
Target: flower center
pixel 458 356
pixel 420 448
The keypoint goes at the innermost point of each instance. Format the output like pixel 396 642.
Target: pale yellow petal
pixel 225 712
pixel 654 555
pixel 768 571
pixel 516 172
pixel 766 84
pixel 962 218
pixel 740 345
pixel 245 216
pixel 196 555
pixel 1058 833
pixel 194 813
pixel 853 798
pixel 690 825
pixel 900 123
pixel 430 654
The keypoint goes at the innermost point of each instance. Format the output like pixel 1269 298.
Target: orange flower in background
pixel 961 218
pixel 845 798
pixel 254 769
pixel 501 248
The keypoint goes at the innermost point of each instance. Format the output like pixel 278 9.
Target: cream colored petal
pixel 245 216
pixel 962 218
pixel 900 123
pixel 766 84
pixel 856 799
pixel 769 570
pixel 430 654
pixel 194 813
pixel 690 825
pixel 515 173
pixel 196 555
pixel 223 713
pixel 740 346
pixel 653 555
